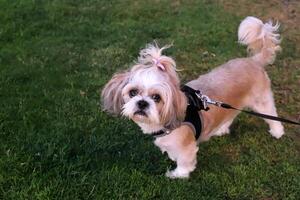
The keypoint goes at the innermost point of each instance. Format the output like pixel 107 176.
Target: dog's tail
pixel 262 39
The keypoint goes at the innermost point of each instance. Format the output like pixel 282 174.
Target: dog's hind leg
pixel 265 104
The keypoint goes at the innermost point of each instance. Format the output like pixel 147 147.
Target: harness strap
pixel 161 133
pixel 192 118
pixel 194 98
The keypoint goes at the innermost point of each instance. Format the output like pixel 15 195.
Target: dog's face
pixel 149 94
pixel 144 98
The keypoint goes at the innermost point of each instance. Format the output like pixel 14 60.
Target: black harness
pixel 192 116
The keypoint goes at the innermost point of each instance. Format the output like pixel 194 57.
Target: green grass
pixel 56 143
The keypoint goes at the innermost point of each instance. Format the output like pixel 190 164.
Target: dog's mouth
pixel 140 112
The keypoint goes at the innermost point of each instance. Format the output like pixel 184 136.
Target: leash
pixel 227 106
pixel 206 101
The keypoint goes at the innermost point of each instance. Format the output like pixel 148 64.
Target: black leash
pixel 227 106
pixel 206 100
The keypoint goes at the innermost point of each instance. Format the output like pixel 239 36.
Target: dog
pixel 149 94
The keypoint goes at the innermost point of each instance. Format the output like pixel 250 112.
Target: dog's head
pixel 149 93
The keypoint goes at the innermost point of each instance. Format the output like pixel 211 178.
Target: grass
pixel 56 143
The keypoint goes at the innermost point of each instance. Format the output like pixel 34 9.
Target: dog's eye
pixel 133 92
pixel 156 98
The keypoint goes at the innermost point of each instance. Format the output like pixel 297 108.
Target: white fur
pixel 153 52
pixel 224 129
pixel 153 116
pixel 262 39
pixel 252 29
pixel 146 78
pixel 150 128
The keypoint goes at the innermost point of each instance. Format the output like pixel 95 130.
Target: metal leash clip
pixel 206 100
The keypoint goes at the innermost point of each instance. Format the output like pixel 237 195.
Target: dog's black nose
pixel 142 104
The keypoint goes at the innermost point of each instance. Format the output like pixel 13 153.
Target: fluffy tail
pixel 262 39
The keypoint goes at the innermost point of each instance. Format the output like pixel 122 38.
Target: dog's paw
pixel 177 174
pixel 222 131
pixel 277 131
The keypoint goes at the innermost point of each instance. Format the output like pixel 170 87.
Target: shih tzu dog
pixel 150 94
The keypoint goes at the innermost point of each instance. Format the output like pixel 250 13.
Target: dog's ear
pixel 111 96
pixel 174 108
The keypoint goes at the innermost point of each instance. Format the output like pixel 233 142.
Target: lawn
pixel 56 143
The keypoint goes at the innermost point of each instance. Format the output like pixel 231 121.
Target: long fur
pixel 173 110
pixel 241 82
pixel 152 51
pixel 262 39
pixel 116 90
pixel 111 96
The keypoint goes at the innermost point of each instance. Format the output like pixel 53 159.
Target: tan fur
pixel 181 148
pixel 236 86
pixel 173 111
pixel 233 83
pixel 242 83
pixel 111 95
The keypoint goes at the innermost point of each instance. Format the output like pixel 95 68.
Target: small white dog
pixel 149 94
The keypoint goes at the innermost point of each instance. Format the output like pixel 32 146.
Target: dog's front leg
pixel 186 160
pixel 182 148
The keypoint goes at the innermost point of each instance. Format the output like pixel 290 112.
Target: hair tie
pixel 158 64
